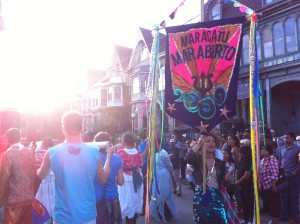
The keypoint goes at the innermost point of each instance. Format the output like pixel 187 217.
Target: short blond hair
pixel 72 122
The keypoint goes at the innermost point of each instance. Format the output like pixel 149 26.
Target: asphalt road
pixel 184 206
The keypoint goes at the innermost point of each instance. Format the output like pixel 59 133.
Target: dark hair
pixel 88 136
pixel 275 145
pixel 268 147
pixel 237 141
pixel 128 139
pixel 246 159
pixel 47 142
pixel 216 138
pixel 102 136
pixel 228 150
pixel 72 122
pixel 13 135
pixel 291 134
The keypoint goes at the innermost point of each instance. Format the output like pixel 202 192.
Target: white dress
pixel 131 202
pixel 46 193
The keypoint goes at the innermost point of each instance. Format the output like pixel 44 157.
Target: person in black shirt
pixel 174 157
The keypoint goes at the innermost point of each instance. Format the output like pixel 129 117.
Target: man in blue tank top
pixel 75 165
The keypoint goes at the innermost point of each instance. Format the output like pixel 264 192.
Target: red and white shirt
pixel 268 171
pixel 130 158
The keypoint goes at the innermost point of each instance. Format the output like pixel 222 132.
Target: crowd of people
pixel 86 179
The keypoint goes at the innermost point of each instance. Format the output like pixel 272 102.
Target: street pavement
pixel 184 205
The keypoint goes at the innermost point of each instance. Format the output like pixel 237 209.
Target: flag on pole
pixel 202 67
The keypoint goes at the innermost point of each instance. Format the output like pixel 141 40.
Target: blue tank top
pixel 75 167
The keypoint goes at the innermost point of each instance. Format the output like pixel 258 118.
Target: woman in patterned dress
pixel 131 193
pixel 209 207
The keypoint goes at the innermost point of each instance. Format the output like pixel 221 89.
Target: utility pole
pixel 201 10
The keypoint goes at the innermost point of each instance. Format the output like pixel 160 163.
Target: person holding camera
pixel 107 197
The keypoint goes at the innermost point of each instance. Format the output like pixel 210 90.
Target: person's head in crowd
pixel 101 137
pixel 280 141
pixel 47 143
pixel 87 136
pixel 187 143
pixel 184 137
pixel 298 139
pixel 239 134
pixel 72 123
pixel 13 136
pixel 267 150
pixel 289 138
pixel 223 138
pixel 261 136
pixel 275 145
pixel 227 155
pixel 233 141
pixel 245 155
pixel 211 142
pixel 172 142
pixel 273 133
pixel 127 141
pixel 246 133
pixel 245 141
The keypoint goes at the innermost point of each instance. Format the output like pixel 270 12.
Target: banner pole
pixel 252 117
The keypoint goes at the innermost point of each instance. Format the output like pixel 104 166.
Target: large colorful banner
pixel 202 67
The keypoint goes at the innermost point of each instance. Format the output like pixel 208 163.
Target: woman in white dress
pixel 131 193
pixel 46 191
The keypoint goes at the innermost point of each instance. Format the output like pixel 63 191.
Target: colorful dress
pixel 131 199
pixel 210 207
pixel 162 192
pixel 17 173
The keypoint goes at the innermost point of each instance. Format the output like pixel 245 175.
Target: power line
pixel 111 68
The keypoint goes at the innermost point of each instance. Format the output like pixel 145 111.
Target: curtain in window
pixel 216 12
pixel 278 38
pixel 135 86
pixel 267 42
pixel 258 45
pixel 246 49
pixel 117 92
pixel 290 35
pixel 143 84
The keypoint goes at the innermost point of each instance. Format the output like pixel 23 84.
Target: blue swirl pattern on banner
pixel 207 106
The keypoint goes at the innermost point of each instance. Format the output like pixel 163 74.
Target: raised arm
pixel 43 172
pixel 145 153
pixel 104 171
pixel 120 177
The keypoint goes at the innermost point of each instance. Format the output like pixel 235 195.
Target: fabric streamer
pixel 255 97
pixel 151 93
